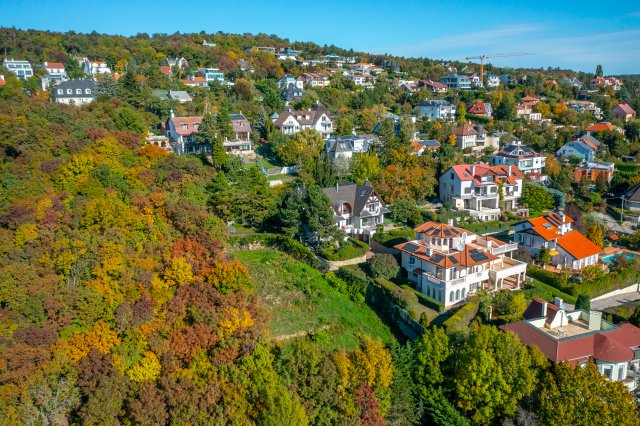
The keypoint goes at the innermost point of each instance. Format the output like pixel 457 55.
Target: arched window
pixel 463 290
pixel 451 296
pixel 457 294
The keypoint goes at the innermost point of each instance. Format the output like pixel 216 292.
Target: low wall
pixel 631 289
pixel 334 265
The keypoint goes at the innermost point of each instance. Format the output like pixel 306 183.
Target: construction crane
pixel 493 55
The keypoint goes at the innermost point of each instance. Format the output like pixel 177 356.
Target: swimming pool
pixel 610 258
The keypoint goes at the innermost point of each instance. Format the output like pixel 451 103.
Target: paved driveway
pixel 615 300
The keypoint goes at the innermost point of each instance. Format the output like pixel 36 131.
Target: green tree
pixel 129 119
pixel 595 233
pixel 506 110
pixel 224 125
pixel 432 352
pixel 544 257
pixel 209 133
pixel 406 212
pixel 537 198
pixel 365 166
pixel 599 72
pixel 571 392
pixel 583 302
pixel 383 265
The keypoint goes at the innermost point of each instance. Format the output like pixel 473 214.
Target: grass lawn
pixel 267 163
pixel 624 311
pixel 299 299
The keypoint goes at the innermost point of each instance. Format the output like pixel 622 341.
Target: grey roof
pixel 352 193
pixel 291 93
pixel 435 103
pixel 346 143
pixel 591 139
pixel 633 193
pixel 578 146
pixel 76 83
pixel 179 95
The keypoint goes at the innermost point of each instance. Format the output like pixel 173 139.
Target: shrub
pixel 394 236
pixel 355 280
pixel 428 301
pixel 383 265
pixel 461 319
pixel 351 248
pixel 547 292
pixel 402 297
pixel 583 302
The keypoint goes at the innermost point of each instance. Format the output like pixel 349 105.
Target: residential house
pixel 530 101
pixel 482 190
pixel 408 86
pixel 493 80
pixel 262 49
pixel 180 63
pixel 391 66
pixel 507 79
pixel 285 53
pixel 195 81
pixel 571 81
pixel 291 93
pixel 211 74
pixel 94 68
pixel 578 336
pixel 362 79
pixel 456 81
pixel 593 170
pixel 54 74
pixel 315 80
pixel 245 65
pixel 612 82
pixel 365 69
pixel 160 141
pixel 480 108
pixel 474 78
pixel 585 106
pixel 631 198
pixel 554 231
pixel 317 118
pixel 78 91
pixel 448 263
pixel 467 136
pixel 578 149
pixel 285 81
pixel 181 131
pixel 177 95
pixel 433 86
pixel 530 163
pixel 207 44
pixel 357 209
pixel 166 70
pixel 526 112
pixel 624 112
pixel 345 146
pixel 21 69
pixel 436 109
pixel 419 147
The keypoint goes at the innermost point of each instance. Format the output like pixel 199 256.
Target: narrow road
pixel 615 300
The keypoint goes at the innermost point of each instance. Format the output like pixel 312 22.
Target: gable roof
pixel 73 84
pixel 633 193
pixel 467 172
pixel 53 65
pixel 440 230
pixel 600 127
pixel 186 126
pixel 465 130
pixel 479 108
pixel 352 193
pixel 305 118
pixel 468 256
pixel 577 245
pixel 625 108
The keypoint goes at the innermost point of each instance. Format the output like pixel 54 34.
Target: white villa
pixel 448 263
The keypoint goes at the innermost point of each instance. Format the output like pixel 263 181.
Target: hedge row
pixel 548 277
pixel 356 280
pixel 461 319
pixel 425 300
pixel 394 236
pixel 352 248
pixel 402 297
pixel 288 245
pixel 547 292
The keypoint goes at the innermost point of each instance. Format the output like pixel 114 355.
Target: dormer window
pixel 87 91
pixel 69 91
pixel 78 91
pixel 60 91
pixel 185 126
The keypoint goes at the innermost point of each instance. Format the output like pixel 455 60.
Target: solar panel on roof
pixel 453 259
pixel 437 257
pixel 447 232
pixel 411 248
pixel 478 255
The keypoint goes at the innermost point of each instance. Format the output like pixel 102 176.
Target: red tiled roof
pixel 465 130
pixel 465 257
pixel 478 108
pixel 606 348
pixel 440 230
pixel 464 172
pixel 2 82
pixel 54 65
pixel 165 69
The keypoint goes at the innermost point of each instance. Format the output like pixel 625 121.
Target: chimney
pixel 595 320
pixel 473 171
pixel 337 187
pixel 450 222
pixel 544 309
pixel 171 112
pixel 509 170
pixel 558 301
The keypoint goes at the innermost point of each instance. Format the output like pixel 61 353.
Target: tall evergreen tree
pixel 599 72
pixel 224 125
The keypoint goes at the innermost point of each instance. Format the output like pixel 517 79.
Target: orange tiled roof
pixel 577 245
pixel 440 230
pixel 600 127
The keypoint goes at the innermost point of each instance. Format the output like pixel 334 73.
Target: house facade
pixel 482 190
pixel 94 68
pixel 493 80
pixel 291 93
pixel 456 81
pixel 211 74
pixel 357 209
pixel 567 246
pixel 624 112
pixel 436 109
pixel 78 91
pixel 516 154
pixel 181 131
pixel 612 82
pixel 578 149
pixel 526 112
pixel 448 263
pixel 631 198
pixel 54 73
pixel 346 146
pixel 317 118
pixel 313 79
pixel 578 336
pixel 21 69
pixel 433 86
pixel 585 106
pixel 594 170
pixel 483 109
pixel 285 81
